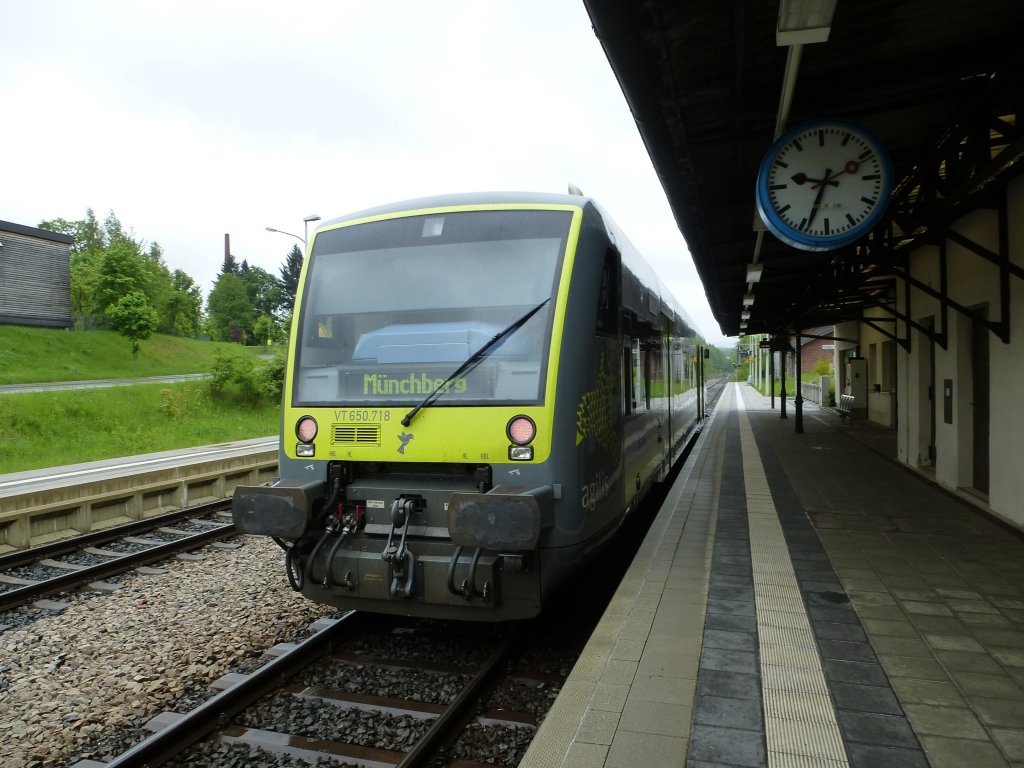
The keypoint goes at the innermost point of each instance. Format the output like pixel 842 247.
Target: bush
pixel 822 368
pixel 237 376
pixel 180 403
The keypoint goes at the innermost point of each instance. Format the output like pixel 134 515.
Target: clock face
pixel 823 185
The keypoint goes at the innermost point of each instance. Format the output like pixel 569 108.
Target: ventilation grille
pixel 353 434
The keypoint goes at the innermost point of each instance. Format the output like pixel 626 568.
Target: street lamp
pixel 282 232
pixel 307 219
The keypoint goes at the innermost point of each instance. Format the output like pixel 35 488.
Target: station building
pixel 35 276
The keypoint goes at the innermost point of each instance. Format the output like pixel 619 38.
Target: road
pixel 14 389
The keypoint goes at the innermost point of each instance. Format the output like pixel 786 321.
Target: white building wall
pixel 1006 496
pixel 972 282
pixel 874 347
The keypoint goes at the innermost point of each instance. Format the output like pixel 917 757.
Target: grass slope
pixel 32 355
pixel 49 429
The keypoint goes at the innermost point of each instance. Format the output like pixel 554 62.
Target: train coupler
pixel 403 575
pixel 402 560
pixel 401 511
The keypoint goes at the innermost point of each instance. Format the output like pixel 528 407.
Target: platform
pixel 802 600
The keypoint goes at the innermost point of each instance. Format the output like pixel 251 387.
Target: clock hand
pixel 802 178
pixel 852 166
pixel 817 199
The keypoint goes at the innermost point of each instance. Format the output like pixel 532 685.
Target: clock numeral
pixel 853 221
pixel 865 155
pixel 775 187
pixel 821 138
pixel 868 200
pixel 782 164
pixel 846 138
pixel 797 145
pixel 871 176
pixel 783 209
pixel 803 224
pixel 828 231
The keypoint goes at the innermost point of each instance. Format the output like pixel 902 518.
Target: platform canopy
pixel 711 83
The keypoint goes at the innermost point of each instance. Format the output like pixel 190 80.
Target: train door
pixel 926 394
pixel 980 402
pixel 664 379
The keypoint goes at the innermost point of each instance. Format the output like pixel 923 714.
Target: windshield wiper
pixel 471 361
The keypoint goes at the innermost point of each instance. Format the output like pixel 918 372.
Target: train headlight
pixel 521 431
pixel 305 430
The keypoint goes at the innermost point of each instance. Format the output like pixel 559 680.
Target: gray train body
pixel 480 389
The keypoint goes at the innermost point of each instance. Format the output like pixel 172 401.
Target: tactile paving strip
pixel 800 720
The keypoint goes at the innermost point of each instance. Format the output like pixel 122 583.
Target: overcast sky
pixel 190 120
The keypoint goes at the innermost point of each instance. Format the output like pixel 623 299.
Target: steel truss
pixel 968 169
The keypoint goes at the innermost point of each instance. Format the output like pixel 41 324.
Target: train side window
pixel 608 299
pixel 638 388
pixel 627 388
pixel 650 368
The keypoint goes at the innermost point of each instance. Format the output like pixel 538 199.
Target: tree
pixel 116 233
pixel 108 262
pixel 229 303
pixel 84 275
pixel 133 318
pixel 121 271
pixel 290 272
pixel 89 236
pixel 263 289
pixel 230 266
pixel 266 329
pixel 87 251
pixel 183 313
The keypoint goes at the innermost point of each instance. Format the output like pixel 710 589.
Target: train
pixel 480 389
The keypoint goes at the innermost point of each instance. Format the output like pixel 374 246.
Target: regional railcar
pixel 480 388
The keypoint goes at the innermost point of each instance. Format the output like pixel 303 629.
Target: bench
pixel 846 408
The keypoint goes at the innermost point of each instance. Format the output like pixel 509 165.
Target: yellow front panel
pixel 438 433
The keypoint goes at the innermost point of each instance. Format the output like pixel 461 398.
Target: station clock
pixel 824 184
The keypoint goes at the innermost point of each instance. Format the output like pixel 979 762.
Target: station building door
pixel 926 402
pixel 981 382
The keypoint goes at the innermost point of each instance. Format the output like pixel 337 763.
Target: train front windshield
pixel 392 308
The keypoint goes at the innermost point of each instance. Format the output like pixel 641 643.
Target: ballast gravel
pixel 240 756
pixel 111 662
pixel 412 685
pixel 355 726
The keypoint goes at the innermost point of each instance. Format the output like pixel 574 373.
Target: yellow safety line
pixel 800 720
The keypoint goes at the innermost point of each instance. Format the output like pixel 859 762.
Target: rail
pixel 178 733
pixel 211 715
pixel 25 591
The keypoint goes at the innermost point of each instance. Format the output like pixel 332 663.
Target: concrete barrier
pixel 36 511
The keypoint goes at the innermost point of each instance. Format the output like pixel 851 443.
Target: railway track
pixel 310 703
pixel 71 564
pixel 333 698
